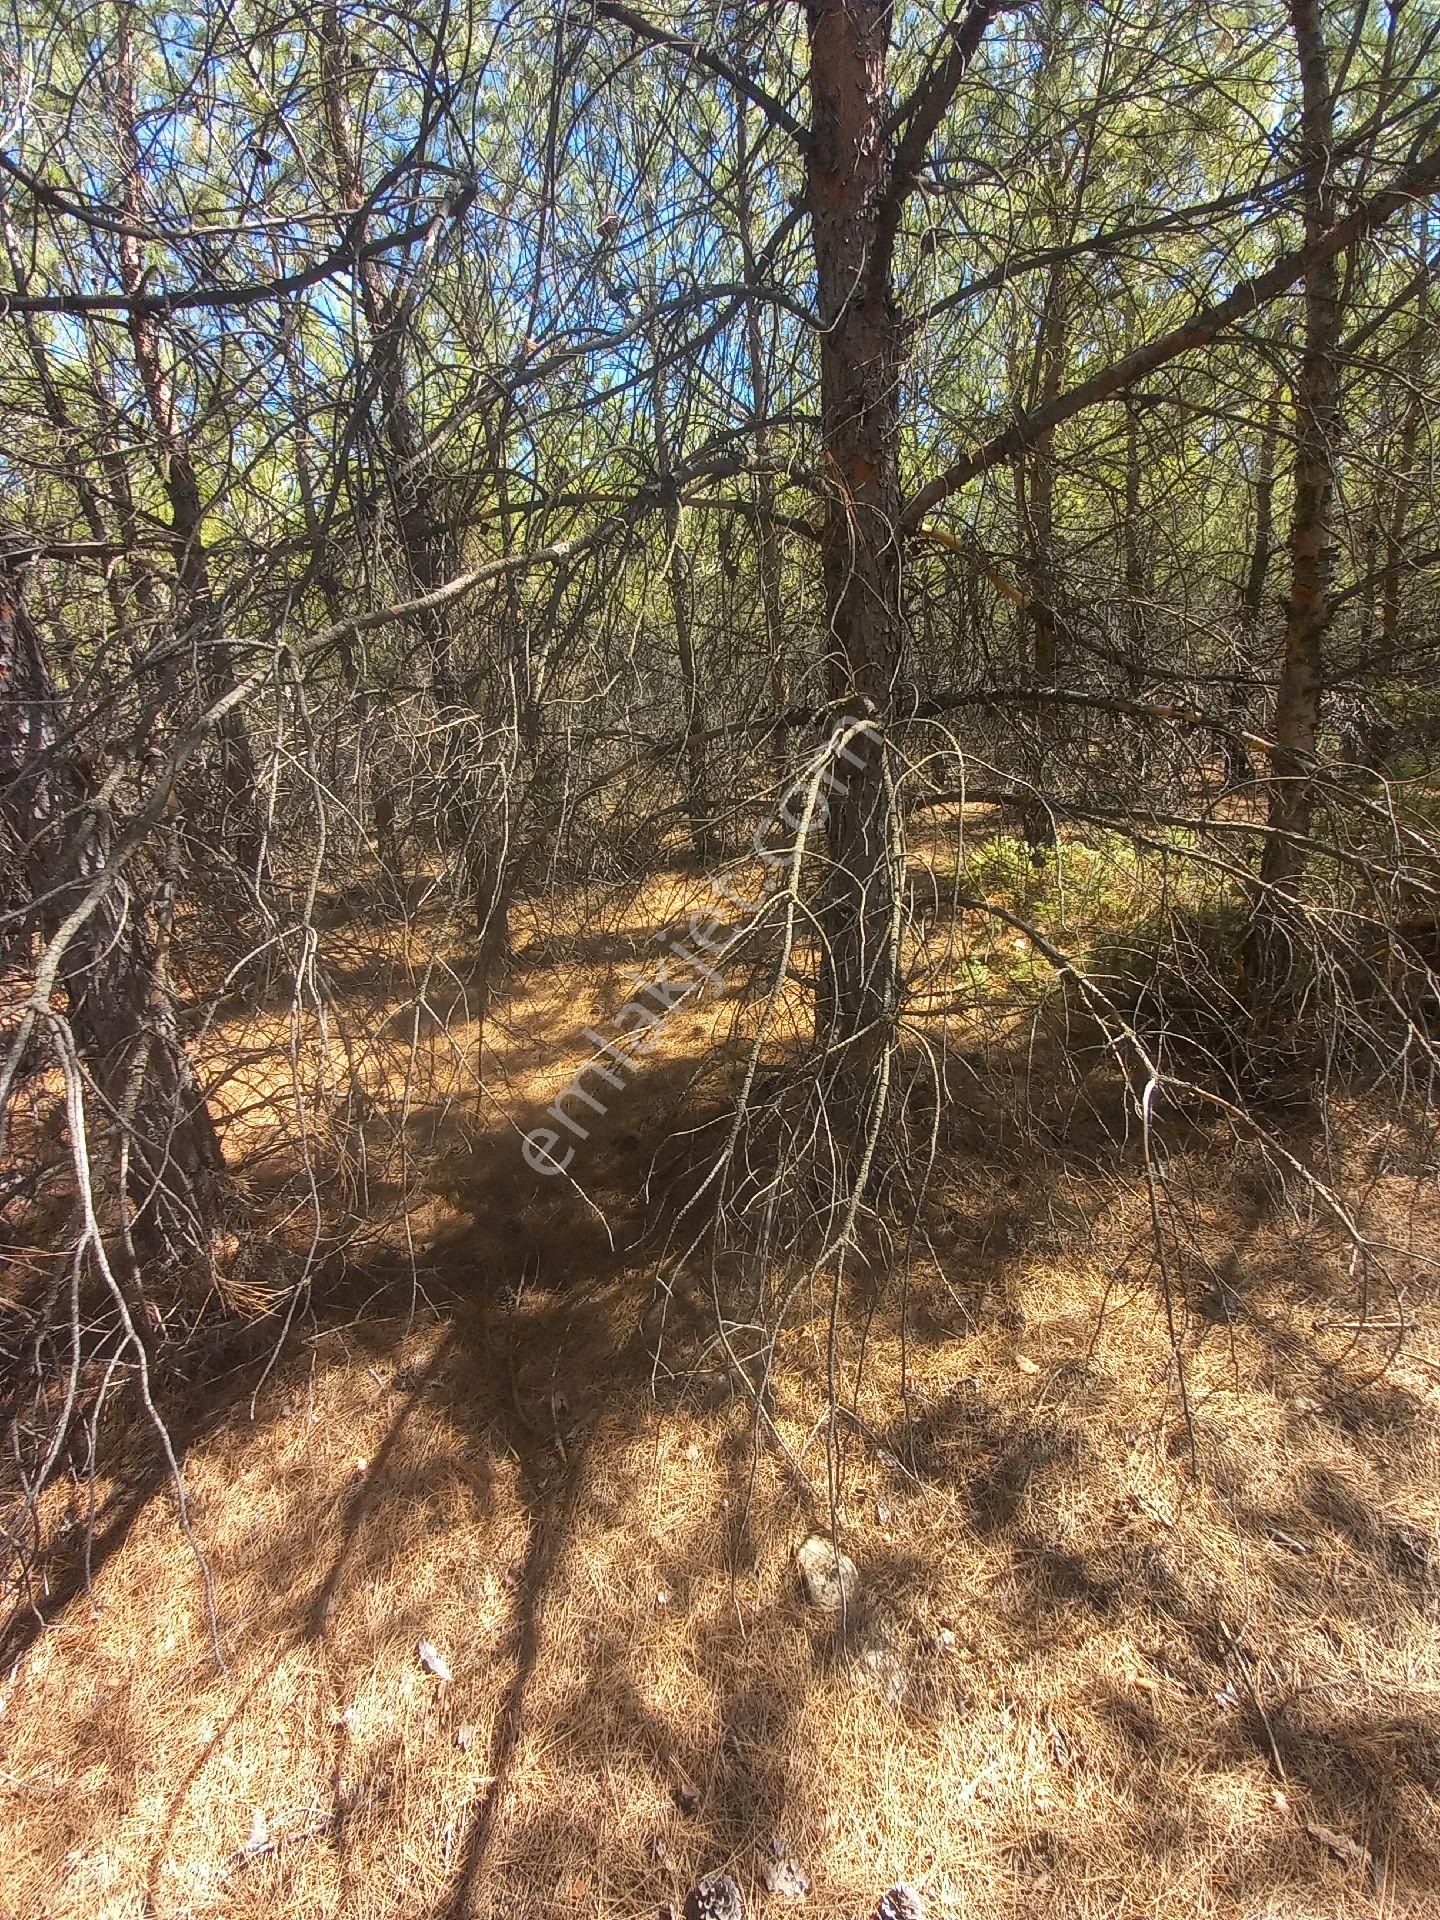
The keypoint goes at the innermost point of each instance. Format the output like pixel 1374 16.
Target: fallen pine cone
pixel 716 1898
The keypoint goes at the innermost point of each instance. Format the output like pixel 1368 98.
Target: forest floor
pixel 1107 1659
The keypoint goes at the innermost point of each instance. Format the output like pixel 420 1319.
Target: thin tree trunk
pixel 849 176
pixel 1137 583
pixel 322 569
pixel 682 612
pixel 200 628
pixel 432 555
pixel 1252 588
pixel 1039 520
pixel 90 497
pixel 163 670
pixel 1373 731
pixel 70 440
pixel 420 512
pixel 57 839
pixel 521 723
pixel 767 546
pixel 1296 724
pixel 1035 495
pixel 1399 515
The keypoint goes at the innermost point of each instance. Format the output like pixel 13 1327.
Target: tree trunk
pixel 682 612
pixel 71 441
pixel 1415 402
pixel 421 518
pixel 432 556
pixel 57 840
pixel 849 175
pixel 767 546
pixel 1039 518
pixel 200 630
pixel 1252 590
pixel 1137 581
pixel 1035 493
pixel 1296 724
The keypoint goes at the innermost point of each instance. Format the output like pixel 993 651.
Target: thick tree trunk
pixel 1296 723
pixel 849 180
pixel 56 842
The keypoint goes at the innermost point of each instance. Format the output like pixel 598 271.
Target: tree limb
pixel 1416 182
pixel 657 36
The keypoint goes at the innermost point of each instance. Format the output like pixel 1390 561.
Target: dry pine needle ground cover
pixel 1128 1667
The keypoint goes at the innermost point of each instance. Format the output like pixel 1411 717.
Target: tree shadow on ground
pixel 543 1376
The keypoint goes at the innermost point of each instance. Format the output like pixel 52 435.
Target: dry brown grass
pixel 1145 1659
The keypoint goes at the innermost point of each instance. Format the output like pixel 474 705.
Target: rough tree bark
pixel 858 179
pixel 56 836
pixel 850 189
